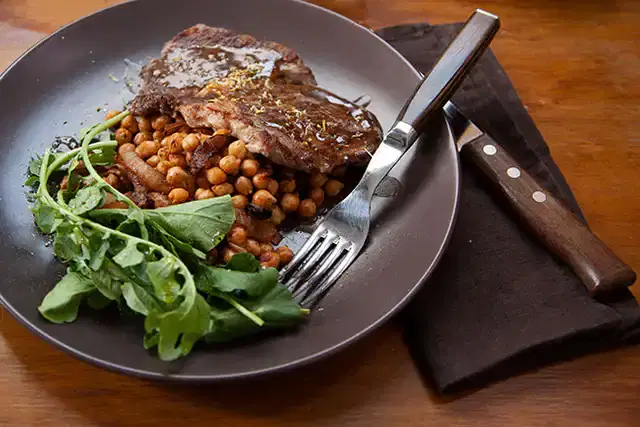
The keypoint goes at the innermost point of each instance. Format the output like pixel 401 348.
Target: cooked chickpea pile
pixel 255 184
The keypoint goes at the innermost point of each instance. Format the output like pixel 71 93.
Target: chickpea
pixel 164 166
pixel 153 161
pixel 270 259
pixel 163 153
pixel 159 122
pixel 214 160
pixel 268 169
pixel 125 148
pixel 286 254
pixel 147 149
pixel 288 186
pixel 307 208
pixel 333 187
pixel 173 143
pixel 290 202
pixel 239 201
pixel 243 185
pixel 123 136
pixel 237 236
pixel 264 199
pixel 142 136
pixel 112 180
pixel 111 114
pixel 227 254
pixel 202 182
pixel 178 195
pixel 216 176
pixel 317 195
pixel 253 247
pixel 222 189
pixel 277 215
pixel 204 193
pixel 144 124
pixel 265 247
pixel 178 160
pixel 230 164
pixel 187 157
pixel 273 187
pixel 190 142
pixel 317 180
pixel 261 181
pixel 130 123
pixel 158 135
pixel 178 177
pixel 238 149
pixel 249 167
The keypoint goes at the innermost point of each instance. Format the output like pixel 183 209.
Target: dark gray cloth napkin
pixel 499 303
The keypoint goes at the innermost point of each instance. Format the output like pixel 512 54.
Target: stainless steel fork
pixel 339 238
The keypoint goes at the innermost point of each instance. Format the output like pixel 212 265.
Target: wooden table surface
pixel 576 65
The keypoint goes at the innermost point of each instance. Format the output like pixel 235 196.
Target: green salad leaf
pixel 86 199
pixel 201 223
pixel 62 303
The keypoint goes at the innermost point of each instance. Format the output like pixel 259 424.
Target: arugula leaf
pixel 138 299
pixel 61 304
pixel 65 244
pixel 162 274
pixel 97 301
pixel 86 199
pixel 104 156
pixel 276 308
pixel 129 256
pixel 201 223
pixel 46 217
pixel 243 261
pixel 256 289
pixel 179 329
pixel 158 233
pixel 211 279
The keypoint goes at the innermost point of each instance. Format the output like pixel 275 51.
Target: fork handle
pixel 451 68
pixel 559 229
pixel 432 93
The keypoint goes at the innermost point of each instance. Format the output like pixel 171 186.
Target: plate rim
pixel 190 378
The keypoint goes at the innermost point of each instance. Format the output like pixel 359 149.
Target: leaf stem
pixel 241 308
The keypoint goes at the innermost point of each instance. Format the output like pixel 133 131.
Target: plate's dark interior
pixel 59 86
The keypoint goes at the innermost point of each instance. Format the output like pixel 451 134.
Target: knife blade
pixel 599 269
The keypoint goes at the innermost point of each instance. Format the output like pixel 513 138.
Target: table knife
pixel 548 218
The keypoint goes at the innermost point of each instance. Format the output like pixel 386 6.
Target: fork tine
pixel 320 272
pixel 318 293
pixel 312 262
pixel 302 253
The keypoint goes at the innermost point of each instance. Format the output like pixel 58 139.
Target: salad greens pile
pixel 150 261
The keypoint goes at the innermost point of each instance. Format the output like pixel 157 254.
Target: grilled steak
pixel 263 93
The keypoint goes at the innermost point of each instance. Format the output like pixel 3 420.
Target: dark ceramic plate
pixel 57 87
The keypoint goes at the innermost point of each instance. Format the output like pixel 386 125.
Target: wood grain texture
pixel 576 66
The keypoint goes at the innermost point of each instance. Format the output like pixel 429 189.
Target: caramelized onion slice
pixel 148 176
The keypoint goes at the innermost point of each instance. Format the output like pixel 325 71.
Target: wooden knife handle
pixel 559 229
